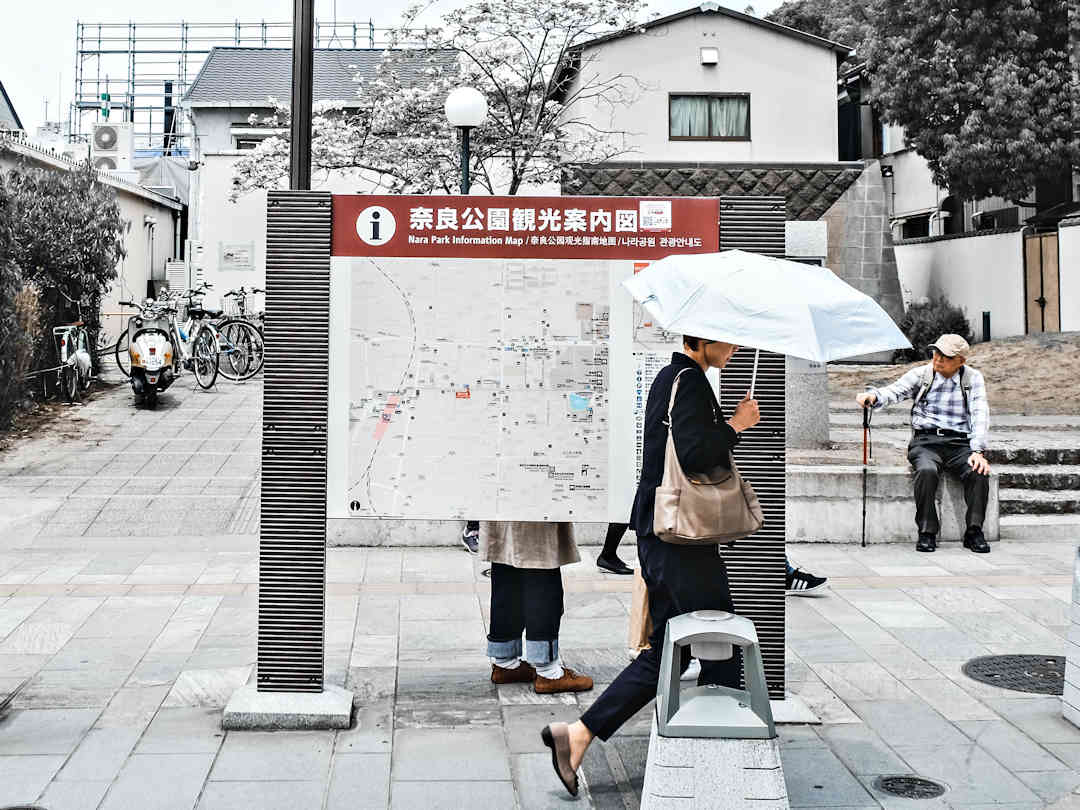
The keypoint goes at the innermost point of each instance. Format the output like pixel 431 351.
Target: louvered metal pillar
pixel 292 533
pixel 756 565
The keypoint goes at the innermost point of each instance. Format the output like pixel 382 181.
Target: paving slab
pixel 450 754
pixel 74 795
pixel 25 777
pixel 447 795
pixel 44 731
pixel 359 782
pixel 140 784
pixel 270 755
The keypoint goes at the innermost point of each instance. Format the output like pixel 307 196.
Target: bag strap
pixel 671 402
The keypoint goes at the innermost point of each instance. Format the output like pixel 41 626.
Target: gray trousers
pixel 930 455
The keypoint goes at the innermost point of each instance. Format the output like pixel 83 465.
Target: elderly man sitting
pixel 950 419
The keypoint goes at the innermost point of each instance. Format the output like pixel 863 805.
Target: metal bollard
pixel 713 711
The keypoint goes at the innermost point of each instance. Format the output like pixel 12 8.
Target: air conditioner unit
pixel 112 147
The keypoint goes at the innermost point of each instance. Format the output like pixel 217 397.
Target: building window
pixel 709 117
pixel 915 227
pixel 247 143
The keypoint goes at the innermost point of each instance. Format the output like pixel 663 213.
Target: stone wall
pixel 860 241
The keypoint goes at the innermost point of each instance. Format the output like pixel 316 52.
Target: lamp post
pixel 465 108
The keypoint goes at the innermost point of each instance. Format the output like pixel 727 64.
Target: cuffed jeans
pixel 680 579
pixel 929 455
pixel 529 601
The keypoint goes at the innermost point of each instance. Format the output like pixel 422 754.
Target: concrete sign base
pixel 1070 700
pixel 251 710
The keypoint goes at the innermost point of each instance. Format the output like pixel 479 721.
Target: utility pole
pixel 303 68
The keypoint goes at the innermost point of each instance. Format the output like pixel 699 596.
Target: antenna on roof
pixel 709 5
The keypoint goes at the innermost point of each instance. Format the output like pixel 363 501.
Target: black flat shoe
pixel 927 542
pixel 975 540
pixel 613 566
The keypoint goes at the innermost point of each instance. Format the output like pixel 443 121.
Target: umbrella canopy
pixel 754 300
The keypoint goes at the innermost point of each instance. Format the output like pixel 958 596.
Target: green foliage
pixel 66 242
pixel 60 241
pixel 844 22
pixel 981 87
pixel 924 323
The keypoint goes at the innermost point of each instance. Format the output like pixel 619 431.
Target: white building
pixel 151 232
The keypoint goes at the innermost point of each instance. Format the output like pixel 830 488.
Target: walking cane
pixel 753 378
pixel 867 454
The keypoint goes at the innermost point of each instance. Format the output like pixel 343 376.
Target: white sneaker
pixel 692 671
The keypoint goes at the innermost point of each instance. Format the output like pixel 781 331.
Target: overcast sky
pixel 37 39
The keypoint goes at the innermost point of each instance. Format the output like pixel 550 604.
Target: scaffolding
pixel 146 68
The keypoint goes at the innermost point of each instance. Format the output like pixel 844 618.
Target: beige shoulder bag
pixel 718 507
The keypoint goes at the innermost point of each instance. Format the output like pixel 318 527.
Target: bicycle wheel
pixel 205 356
pixel 244 356
pixel 69 379
pixel 123 359
pixel 150 400
pixel 234 349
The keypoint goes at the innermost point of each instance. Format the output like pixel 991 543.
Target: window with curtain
pixel 720 117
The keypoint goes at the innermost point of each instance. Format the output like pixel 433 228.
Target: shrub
pixel 924 323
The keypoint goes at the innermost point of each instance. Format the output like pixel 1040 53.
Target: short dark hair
pixel 692 342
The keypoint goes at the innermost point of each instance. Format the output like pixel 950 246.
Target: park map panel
pixel 479 386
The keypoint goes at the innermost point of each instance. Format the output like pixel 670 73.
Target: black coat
pixel 703 438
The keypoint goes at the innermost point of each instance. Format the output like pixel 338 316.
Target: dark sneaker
pixel 926 542
pixel 523 673
pixel 800 583
pixel 569 682
pixel 975 540
pixel 470 538
pixel 613 565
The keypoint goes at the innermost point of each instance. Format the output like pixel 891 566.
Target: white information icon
pixel 375 225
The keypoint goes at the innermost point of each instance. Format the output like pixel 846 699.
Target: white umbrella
pixel 754 300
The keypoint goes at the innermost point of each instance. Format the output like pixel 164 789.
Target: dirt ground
pixel 1031 375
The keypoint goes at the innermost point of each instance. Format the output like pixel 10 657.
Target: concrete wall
pixel 1069 270
pixel 911 189
pixel 792 87
pixel 975 273
pixel 212 125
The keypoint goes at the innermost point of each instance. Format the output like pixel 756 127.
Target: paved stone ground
pixel 126 643
pixel 129 651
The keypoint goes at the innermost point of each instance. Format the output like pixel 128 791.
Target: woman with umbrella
pixel 716 301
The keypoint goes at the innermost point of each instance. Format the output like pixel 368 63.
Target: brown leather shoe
pixel 523 673
pixel 569 682
pixel 557 738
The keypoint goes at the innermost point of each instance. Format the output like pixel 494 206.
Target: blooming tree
pixel 545 99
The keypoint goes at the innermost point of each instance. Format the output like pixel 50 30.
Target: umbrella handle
pixel 753 378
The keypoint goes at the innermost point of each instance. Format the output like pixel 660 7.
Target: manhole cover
pixel 909 787
pixel 1041 674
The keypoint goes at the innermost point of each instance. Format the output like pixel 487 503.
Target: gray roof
pixel 9 119
pixel 246 75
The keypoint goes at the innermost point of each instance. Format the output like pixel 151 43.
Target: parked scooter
pixel 154 365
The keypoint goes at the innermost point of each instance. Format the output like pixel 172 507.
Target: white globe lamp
pixel 465 108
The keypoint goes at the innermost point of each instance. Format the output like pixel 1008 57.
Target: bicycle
pixel 239 341
pixel 74 375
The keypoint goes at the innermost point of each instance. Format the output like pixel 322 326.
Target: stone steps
pixel 1039 502
pixel 1040 527
pixel 1039 476
pixel 1033 455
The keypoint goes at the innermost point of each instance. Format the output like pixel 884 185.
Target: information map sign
pixel 485 361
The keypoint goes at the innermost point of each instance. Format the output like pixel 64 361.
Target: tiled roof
pixel 242 75
pixel 810 189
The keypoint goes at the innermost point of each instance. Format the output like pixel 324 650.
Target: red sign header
pixel 524 227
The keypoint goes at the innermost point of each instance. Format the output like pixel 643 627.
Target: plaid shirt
pixel 943 404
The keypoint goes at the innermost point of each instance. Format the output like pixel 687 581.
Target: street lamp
pixel 465 108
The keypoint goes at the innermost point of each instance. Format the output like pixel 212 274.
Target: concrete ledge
pixel 824 505
pixel 707 774
pixel 1040 527
pixel 251 710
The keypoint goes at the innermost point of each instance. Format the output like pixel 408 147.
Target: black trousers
pixel 680 579
pixel 929 455
pixel 529 601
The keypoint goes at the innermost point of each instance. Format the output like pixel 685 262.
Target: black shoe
pixel 470 538
pixel 613 565
pixel 975 540
pixel 800 583
pixel 927 542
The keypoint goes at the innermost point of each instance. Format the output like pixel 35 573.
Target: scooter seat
pixel 201 312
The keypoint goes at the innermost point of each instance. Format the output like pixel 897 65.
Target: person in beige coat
pixel 527 597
